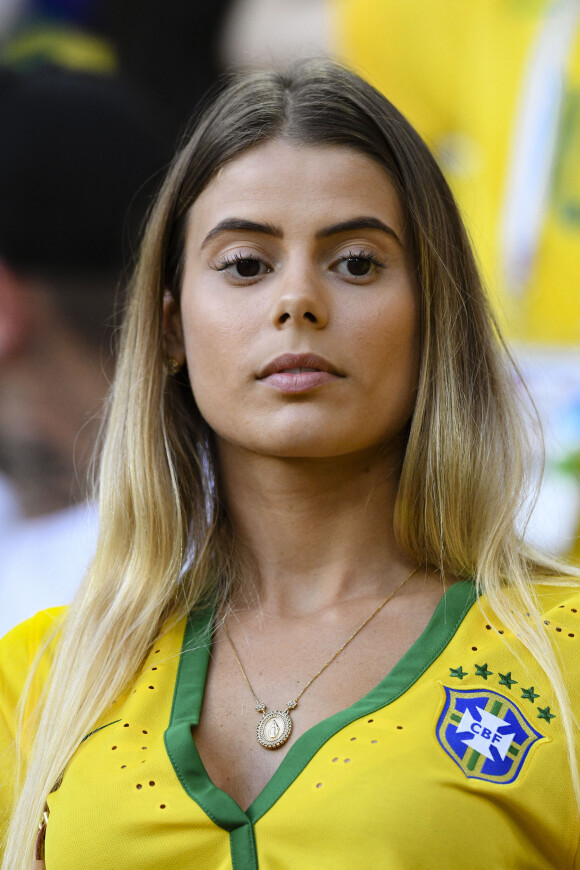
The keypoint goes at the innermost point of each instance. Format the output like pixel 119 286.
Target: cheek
pixel 215 345
pixel 216 327
pixel 208 337
pixel 392 340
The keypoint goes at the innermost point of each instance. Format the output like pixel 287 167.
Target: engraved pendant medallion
pixel 274 729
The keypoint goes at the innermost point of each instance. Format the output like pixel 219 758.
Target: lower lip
pixel 298 382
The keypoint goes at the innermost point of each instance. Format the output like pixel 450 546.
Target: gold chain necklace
pixel 275 727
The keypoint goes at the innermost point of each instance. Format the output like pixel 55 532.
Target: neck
pixel 319 531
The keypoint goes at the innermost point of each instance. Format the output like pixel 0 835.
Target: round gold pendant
pixel 274 729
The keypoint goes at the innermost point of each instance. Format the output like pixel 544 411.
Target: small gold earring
pixel 173 366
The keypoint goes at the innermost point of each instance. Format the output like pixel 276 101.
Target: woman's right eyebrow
pixel 230 224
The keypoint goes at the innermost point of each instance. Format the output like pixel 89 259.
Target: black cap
pixel 79 159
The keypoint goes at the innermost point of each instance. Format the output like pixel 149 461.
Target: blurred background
pixel 93 97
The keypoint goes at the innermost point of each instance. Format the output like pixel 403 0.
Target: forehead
pixel 298 184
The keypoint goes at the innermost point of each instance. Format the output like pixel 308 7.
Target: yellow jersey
pixel 457 758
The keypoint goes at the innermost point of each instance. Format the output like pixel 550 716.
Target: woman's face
pixel 299 316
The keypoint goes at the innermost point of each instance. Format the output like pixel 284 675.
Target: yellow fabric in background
pixel 457 71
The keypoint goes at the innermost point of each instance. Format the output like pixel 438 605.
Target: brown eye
pixel 248 268
pixel 242 269
pixel 358 266
pixel 355 265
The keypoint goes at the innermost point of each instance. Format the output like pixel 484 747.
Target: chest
pixel 226 736
pixel 276 670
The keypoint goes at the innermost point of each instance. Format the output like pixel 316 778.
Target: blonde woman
pixel 313 635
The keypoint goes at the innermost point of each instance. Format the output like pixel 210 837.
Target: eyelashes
pixel 247 265
pixel 358 265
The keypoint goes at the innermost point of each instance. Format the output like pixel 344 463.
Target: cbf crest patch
pixel 485 734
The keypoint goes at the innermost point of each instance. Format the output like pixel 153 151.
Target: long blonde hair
pixel 165 543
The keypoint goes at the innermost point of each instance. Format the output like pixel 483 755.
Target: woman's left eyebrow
pixel 358 223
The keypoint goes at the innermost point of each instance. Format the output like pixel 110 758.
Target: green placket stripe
pixel 243 848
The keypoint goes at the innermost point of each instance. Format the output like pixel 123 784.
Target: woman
pixel 314 450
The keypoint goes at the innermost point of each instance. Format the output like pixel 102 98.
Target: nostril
pixel 309 316
pixel 284 317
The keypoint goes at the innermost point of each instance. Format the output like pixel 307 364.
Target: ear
pixel 173 343
pixel 16 313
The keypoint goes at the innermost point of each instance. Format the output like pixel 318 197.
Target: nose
pixel 304 306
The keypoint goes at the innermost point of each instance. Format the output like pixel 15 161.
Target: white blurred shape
pixel 261 33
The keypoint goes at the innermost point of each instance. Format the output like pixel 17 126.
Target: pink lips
pixel 298 373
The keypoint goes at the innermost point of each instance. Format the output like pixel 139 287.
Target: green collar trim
pixel 188 697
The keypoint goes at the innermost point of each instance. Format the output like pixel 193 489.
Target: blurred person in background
pixel 165 51
pixel 78 156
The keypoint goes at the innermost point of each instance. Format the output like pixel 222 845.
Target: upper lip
pixel 298 361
